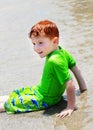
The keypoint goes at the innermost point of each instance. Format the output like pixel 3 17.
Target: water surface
pixel 20 66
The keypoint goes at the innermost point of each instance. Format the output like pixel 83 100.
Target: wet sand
pixel 20 66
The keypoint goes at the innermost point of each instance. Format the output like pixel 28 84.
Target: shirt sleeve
pixel 60 66
pixel 70 59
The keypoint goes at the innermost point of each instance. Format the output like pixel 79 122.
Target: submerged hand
pixel 66 112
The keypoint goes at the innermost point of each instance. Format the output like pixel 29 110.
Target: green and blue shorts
pixel 25 99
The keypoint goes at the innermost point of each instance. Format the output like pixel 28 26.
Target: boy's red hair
pixel 46 28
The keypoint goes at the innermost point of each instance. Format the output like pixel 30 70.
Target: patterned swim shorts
pixel 25 99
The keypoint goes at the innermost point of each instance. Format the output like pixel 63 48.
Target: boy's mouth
pixel 40 52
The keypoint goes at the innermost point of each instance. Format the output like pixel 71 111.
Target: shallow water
pixel 20 66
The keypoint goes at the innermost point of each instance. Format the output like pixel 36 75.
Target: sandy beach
pixel 21 66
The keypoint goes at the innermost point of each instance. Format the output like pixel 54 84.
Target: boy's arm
pixel 70 88
pixel 79 78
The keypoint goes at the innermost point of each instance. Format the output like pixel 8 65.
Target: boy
pixel 55 78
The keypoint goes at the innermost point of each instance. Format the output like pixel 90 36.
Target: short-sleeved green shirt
pixel 55 75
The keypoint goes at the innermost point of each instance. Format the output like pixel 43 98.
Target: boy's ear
pixel 56 40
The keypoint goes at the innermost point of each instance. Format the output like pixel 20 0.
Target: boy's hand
pixel 66 112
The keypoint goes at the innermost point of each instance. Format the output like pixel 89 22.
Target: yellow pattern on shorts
pixel 25 99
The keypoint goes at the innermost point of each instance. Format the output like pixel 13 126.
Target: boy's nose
pixel 36 47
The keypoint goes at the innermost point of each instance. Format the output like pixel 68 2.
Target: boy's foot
pixel 2 109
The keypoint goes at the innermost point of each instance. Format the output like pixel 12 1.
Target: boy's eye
pixel 33 43
pixel 40 42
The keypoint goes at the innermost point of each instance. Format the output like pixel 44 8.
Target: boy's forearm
pixel 70 95
pixel 71 100
pixel 79 78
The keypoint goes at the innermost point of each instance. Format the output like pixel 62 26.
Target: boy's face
pixel 43 45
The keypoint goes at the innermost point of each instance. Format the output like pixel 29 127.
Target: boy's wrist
pixel 71 107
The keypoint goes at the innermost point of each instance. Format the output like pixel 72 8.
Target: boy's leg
pixel 3 99
pixel 2 109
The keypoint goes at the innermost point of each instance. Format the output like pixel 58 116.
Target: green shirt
pixel 55 75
